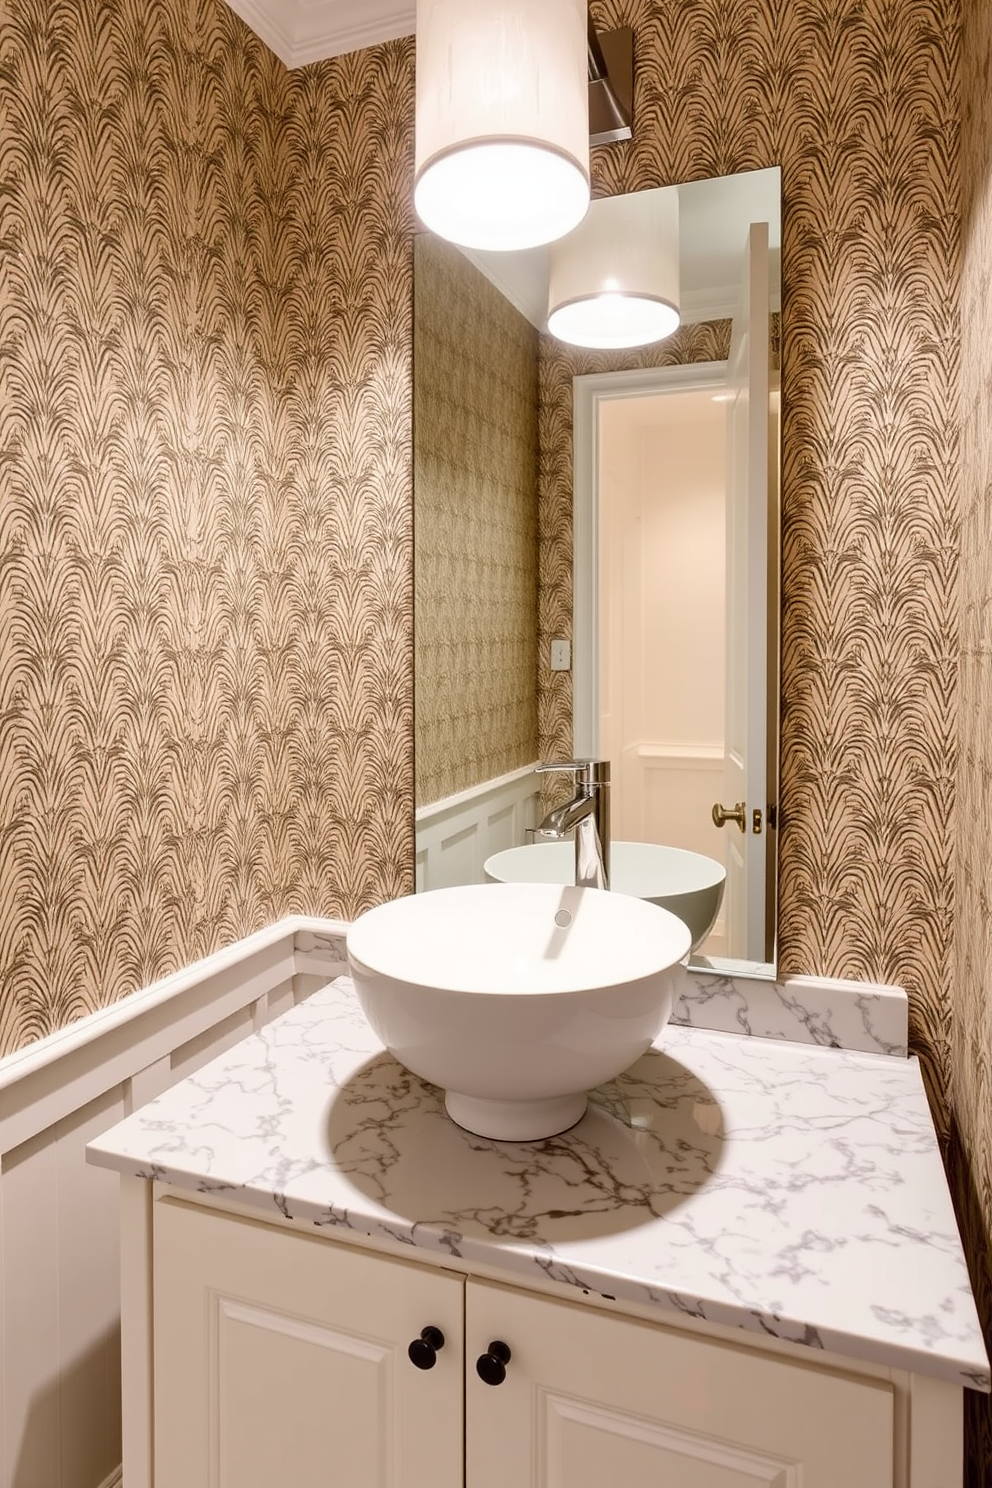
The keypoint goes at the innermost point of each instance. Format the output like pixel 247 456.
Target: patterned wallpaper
pixel 858 101
pixel 972 1076
pixel 475 523
pixel 206 626
pixel 205 632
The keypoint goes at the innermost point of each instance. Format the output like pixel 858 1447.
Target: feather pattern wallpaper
pixel 206 629
pixel 205 632
pixel 859 104
pixel 972 1074
pixel 206 624
pixel 475 523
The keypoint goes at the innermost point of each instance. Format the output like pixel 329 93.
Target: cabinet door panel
pixel 592 1399
pixel 584 1443
pixel 281 1359
pixel 256 1351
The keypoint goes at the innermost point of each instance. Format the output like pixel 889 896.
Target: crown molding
pixel 304 31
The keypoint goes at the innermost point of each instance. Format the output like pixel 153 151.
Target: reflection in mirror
pixel 673 643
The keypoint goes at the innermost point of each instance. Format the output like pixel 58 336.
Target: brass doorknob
pixel 723 814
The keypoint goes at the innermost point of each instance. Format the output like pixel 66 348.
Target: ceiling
pixel 713 224
pixel 302 31
pixel 713 221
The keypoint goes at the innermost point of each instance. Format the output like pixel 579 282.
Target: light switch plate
pixel 561 656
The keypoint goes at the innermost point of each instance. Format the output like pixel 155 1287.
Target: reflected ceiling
pixel 714 217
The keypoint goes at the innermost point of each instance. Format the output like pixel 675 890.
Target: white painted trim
pixel 259 18
pixel 674 756
pixel 456 835
pixel 470 796
pixel 116 1480
pixel 76 1035
pixel 49 1080
pixel 388 23
pixel 305 31
pixel 936 1438
pixel 137 1384
pixel 588 393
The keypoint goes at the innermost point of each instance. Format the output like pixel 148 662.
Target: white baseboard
pixel 116 1480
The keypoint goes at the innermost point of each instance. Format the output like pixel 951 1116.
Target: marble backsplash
pixel 803 1010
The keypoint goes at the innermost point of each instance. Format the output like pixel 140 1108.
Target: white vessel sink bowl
pixel 685 883
pixel 516 998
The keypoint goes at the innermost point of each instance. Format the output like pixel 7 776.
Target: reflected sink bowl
pixel 687 884
pixel 516 998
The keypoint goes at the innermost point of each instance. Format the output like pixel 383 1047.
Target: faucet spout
pixel 563 819
pixel 588 815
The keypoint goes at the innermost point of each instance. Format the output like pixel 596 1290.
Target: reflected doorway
pixel 675 624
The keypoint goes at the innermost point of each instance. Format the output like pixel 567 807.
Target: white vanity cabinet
pixel 280 1360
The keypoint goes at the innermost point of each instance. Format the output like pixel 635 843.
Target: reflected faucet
pixel 588 813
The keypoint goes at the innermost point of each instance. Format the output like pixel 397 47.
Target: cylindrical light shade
pixel 615 279
pixel 502 145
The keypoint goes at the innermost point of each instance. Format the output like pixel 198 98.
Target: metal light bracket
pixel 611 84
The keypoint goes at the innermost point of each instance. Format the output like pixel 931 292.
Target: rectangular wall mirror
pixel 638 493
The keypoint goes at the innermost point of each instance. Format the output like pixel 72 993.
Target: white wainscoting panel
pixel 60 1378
pixel 456 836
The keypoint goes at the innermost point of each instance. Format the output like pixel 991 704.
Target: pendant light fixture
pixel 614 281
pixel 502 139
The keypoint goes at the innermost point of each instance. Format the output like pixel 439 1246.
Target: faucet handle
pixel 587 772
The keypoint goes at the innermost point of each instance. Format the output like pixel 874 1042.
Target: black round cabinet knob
pixel 423 1350
pixel 491 1366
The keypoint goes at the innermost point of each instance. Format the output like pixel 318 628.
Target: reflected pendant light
pixel 615 280
pixel 502 139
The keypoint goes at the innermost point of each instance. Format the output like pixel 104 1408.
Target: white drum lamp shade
pixel 615 280
pixel 502 138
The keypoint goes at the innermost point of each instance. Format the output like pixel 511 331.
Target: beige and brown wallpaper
pixel 972 1043
pixel 206 402
pixel 207 331
pixel 858 103
pixel 206 673
pixel 205 636
pixel 475 526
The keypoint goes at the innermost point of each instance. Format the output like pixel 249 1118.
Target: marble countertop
pixel 787 1190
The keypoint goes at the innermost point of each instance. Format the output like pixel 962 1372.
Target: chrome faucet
pixel 588 812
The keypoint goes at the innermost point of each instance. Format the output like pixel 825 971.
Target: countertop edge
pixel 435 1241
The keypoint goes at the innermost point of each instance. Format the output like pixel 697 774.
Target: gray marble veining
pixel 788 1190
pixel 804 1010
